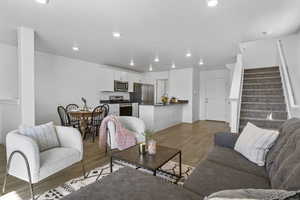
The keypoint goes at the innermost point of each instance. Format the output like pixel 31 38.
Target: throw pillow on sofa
pixel 254 143
pixel 44 135
pixel 253 194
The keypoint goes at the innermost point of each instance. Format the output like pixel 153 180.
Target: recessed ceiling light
pixel 188 54
pixel 212 3
pixel 156 59
pixel 201 62
pixel 131 63
pixel 150 68
pixel 75 48
pixel 116 34
pixel 266 32
pixel 173 66
pixel 42 1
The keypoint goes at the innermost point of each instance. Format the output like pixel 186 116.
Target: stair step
pixel 263 80
pixel 262 114
pixel 263 106
pixel 263 92
pixel 263 123
pixel 262 75
pixel 263 69
pixel 262 86
pixel 263 99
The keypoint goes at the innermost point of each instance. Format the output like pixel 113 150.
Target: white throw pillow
pixel 254 143
pixel 44 135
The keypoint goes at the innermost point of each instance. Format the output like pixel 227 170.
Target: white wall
pixel 291 48
pixel 10 114
pixel 61 81
pixel 196 94
pixel 261 53
pixel 181 87
pixel 8 72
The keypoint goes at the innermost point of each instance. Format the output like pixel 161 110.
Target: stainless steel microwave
pixel 121 86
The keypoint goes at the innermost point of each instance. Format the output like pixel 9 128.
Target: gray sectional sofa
pixel 223 169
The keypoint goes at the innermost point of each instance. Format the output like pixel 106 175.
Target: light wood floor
pixel 194 140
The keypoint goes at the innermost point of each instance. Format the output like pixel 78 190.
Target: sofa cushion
pixel 285 131
pixel 209 177
pixel 128 183
pixel 56 159
pixel 231 158
pixel 253 194
pixel 285 171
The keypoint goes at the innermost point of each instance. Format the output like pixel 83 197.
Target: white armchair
pixel 26 162
pixel 131 123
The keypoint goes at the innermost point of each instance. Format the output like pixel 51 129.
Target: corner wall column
pixel 26 75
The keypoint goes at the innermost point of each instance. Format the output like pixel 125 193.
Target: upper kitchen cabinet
pixel 120 76
pixel 106 80
pixel 133 78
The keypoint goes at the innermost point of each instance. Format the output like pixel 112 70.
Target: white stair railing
pixel 236 93
pixel 292 108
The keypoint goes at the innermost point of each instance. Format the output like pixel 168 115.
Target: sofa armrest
pixel 27 146
pixel 224 139
pixel 71 138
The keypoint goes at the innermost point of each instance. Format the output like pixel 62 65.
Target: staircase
pixel 263 102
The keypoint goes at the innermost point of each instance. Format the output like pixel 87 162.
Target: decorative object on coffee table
pixel 152 147
pixel 142 148
pixel 153 163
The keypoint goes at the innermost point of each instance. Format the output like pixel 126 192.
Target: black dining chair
pixel 107 109
pixel 75 122
pixel 63 115
pixel 98 114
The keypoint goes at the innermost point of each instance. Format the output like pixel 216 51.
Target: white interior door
pixel 215 99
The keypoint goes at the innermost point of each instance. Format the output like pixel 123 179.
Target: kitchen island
pixel 158 116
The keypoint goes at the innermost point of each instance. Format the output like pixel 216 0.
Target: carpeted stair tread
pixel 263 106
pixel 263 69
pixel 263 98
pixel 263 86
pixel 256 75
pixel 261 119
pixel 263 114
pixel 262 80
pixel 263 92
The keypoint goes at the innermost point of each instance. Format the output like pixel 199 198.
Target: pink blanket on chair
pixel 124 137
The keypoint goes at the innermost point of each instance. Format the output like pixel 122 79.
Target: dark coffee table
pixel 146 161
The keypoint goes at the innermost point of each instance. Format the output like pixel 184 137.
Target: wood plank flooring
pixel 194 140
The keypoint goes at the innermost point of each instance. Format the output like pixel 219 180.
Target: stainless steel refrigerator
pixel 143 93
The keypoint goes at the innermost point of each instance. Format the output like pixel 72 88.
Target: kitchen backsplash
pixel 105 95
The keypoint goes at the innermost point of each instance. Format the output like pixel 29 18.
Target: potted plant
pixel 164 99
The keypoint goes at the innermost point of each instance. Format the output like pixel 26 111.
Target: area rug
pixel 100 172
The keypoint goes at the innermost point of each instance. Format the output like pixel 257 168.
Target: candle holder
pixel 152 147
pixel 142 148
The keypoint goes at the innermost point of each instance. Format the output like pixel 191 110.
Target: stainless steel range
pixel 125 105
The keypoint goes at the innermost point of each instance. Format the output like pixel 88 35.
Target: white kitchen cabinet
pixel 133 78
pixel 114 109
pixel 106 80
pixel 120 76
pixel 135 109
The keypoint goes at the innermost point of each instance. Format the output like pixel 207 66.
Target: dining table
pixel 83 115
